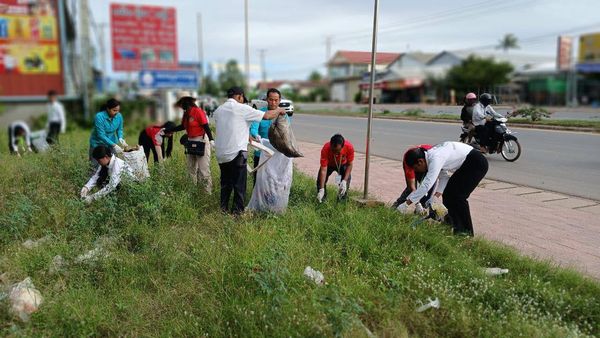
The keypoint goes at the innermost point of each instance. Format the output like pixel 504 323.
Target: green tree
pixel 231 76
pixel 477 74
pixel 509 41
pixel 210 86
pixel 315 76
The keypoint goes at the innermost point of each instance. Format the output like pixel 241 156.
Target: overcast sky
pixel 294 32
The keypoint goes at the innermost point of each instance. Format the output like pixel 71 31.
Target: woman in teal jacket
pixel 108 128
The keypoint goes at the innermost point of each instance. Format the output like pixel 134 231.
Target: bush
pixel 413 112
pixel 532 113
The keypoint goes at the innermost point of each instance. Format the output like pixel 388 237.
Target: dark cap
pixel 235 91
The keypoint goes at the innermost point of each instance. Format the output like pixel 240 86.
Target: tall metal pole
pixel 263 66
pixel 371 86
pixel 101 37
pixel 247 51
pixel 200 49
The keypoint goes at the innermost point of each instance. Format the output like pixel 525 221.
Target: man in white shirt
pixel 233 120
pixel 57 122
pixel 482 113
pixel 111 168
pixel 468 167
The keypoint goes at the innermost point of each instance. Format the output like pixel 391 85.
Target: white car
pixel 261 102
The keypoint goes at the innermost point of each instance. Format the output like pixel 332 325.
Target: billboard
pixel 565 50
pixel 30 55
pixel 589 53
pixel 182 78
pixel 143 37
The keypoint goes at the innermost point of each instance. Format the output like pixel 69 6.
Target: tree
pixel 209 86
pixel 509 41
pixel 315 76
pixel 231 76
pixel 477 74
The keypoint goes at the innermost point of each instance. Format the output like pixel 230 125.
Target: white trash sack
pixel 38 141
pixel 314 275
pixel 25 299
pixel 435 303
pixel 273 182
pixel 136 159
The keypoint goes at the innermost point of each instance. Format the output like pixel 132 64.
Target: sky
pixel 294 33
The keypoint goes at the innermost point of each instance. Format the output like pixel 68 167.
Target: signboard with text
pixel 30 55
pixel 143 37
pixel 589 53
pixel 157 79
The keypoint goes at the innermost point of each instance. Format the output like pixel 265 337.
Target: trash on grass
pixel 57 265
pixel 25 299
pixel 91 255
pixel 314 275
pixel 431 304
pixel 495 271
pixel 30 244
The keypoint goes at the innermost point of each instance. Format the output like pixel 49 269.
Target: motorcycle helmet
pixel 485 99
pixel 471 96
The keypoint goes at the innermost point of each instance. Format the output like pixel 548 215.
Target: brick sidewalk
pixel 538 223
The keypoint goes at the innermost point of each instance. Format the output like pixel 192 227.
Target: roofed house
pixel 346 69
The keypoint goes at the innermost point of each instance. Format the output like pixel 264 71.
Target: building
pixel 346 68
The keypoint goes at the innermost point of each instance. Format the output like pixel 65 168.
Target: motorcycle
pixel 503 140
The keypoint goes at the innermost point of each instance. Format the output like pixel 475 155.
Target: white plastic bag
pixel 25 299
pixel 136 159
pixel 38 141
pixel 314 275
pixel 273 182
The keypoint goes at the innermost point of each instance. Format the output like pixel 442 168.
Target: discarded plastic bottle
pixel 495 271
pixel 432 304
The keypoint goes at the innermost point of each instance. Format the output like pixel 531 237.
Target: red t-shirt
pixel 153 132
pixel 409 172
pixel 193 122
pixel 344 157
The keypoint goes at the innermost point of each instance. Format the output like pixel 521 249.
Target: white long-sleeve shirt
pixel 116 168
pixel 233 120
pixel 56 113
pixel 443 158
pixel 480 113
pixel 14 142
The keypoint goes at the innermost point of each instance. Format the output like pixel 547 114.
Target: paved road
pixel 558 113
pixel 565 162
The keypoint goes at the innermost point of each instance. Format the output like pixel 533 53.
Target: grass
pixel 176 266
pixel 419 114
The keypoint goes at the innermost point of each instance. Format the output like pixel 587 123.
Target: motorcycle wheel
pixel 511 150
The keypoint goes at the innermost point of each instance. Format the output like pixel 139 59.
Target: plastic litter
pixel 431 304
pixel 30 244
pixel 91 256
pixel 57 265
pixel 282 137
pixel 25 299
pixel 314 275
pixel 136 159
pixel 495 271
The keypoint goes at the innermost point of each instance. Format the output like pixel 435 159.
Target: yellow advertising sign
pixel 589 48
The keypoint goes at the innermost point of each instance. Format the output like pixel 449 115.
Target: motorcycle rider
pixel 482 113
pixel 466 115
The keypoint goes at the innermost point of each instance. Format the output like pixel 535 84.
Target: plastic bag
pixel 38 141
pixel 136 159
pixel 435 303
pixel 273 182
pixel 314 275
pixel 25 299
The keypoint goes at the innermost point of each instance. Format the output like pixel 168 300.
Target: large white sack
pixel 136 159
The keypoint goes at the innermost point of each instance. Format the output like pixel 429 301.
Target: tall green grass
pixel 177 266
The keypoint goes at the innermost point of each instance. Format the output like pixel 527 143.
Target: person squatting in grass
pixel 232 120
pixel 199 140
pixel 412 179
pixel 469 167
pixel 108 128
pixel 336 155
pixel 18 130
pixel 153 138
pixel 111 168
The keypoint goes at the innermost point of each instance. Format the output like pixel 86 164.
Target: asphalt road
pixel 564 162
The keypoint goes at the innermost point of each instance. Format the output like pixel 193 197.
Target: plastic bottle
pixel 495 271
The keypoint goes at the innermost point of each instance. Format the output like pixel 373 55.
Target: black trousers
pixel 460 186
pixel 233 178
pixel 145 141
pixel 342 172
pixel 53 132
pixel 483 135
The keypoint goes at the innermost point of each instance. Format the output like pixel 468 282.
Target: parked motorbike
pixel 503 140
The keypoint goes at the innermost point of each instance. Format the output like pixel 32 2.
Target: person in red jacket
pixel 199 141
pixel 412 178
pixel 153 138
pixel 337 155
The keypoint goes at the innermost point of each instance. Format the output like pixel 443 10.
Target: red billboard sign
pixel 143 37
pixel 565 49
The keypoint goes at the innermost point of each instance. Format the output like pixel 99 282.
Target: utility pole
pixel 101 27
pixel 200 49
pixel 328 39
pixel 263 66
pixel 85 56
pixel 371 85
pixel 247 51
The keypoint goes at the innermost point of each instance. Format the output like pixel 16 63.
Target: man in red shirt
pixel 337 155
pixel 412 179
